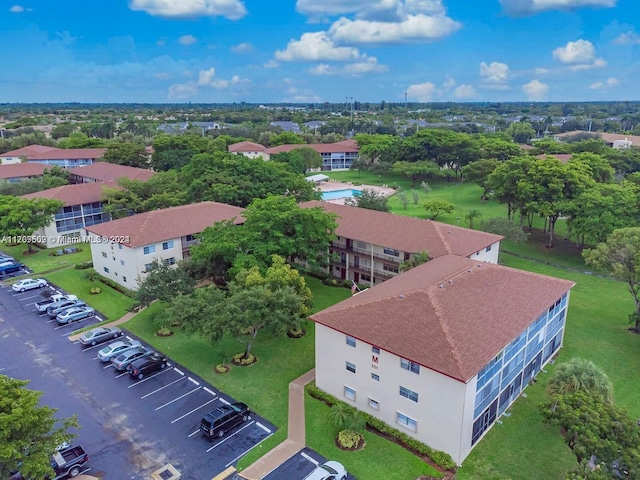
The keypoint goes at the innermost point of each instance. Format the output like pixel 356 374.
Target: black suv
pixel 219 421
pixel 142 366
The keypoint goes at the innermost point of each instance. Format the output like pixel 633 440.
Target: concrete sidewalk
pixel 296 433
pixel 125 318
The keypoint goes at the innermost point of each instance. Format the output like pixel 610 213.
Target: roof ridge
pixel 146 219
pixel 445 330
pixel 436 227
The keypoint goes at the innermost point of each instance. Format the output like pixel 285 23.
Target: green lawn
pixel 522 447
pixel 379 459
pixel 110 302
pixel 41 261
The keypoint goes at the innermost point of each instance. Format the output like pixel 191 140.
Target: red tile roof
pixel 607 137
pixel 70 154
pixel 451 314
pixel 405 234
pixel 563 157
pixel 18 170
pixel 246 147
pixel 29 151
pixel 168 223
pixel 350 146
pixel 72 194
pixel 105 172
pixel 524 146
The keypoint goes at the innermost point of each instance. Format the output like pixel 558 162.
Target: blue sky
pixel 262 51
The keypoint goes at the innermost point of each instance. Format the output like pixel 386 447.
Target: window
pixel 405 421
pixel 375 377
pixel 106 270
pixel 170 261
pixel 351 367
pixel 409 365
pixel 104 254
pixel 167 245
pixel 375 350
pixel 410 394
pixel 120 246
pixel 391 251
pixel 390 268
pixel 149 249
pixel 374 404
pixel 365 278
pixel 124 279
pixel 350 393
pixel 488 249
pixel 351 341
pixel 190 238
pixel 362 245
pixel 148 267
pixel 122 263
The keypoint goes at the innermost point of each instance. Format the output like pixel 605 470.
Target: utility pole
pixel 405 98
pixel 351 112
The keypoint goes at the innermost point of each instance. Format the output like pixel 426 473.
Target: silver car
pixel 122 361
pixel 99 335
pixel 116 348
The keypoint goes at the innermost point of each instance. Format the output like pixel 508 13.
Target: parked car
pixel 221 420
pixel 68 462
pixel 122 361
pixel 8 268
pixel 42 305
pixel 6 258
pixel 328 471
pixel 55 308
pixel 146 365
pixel 29 284
pixel 116 348
pixel 99 335
pixel 74 314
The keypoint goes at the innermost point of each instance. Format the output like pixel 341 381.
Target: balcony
pixel 385 259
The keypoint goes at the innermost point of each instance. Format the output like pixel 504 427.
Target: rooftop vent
pixel 441 286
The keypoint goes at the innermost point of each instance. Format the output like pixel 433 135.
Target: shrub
pixel 222 368
pixel 83 265
pixel 239 359
pixel 95 290
pixel 115 286
pixel 348 439
pixel 440 458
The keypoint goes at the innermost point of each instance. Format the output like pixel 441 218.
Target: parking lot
pixel 130 428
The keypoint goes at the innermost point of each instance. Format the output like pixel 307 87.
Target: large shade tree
pixel 580 375
pixel 21 217
pixel 29 431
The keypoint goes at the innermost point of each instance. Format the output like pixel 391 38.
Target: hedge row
pixel 440 458
pixel 83 265
pixel 116 286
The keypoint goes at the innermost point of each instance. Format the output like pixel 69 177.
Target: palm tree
pixel 580 375
pixel 347 418
pixel 473 213
pixel 414 261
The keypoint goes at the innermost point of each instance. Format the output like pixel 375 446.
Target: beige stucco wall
pixel 439 411
pixel 490 257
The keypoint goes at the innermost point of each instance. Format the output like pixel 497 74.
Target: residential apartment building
pixel 108 172
pixel 68 158
pixel 335 156
pixel 82 208
pixel 371 246
pixel 23 154
pixel 441 351
pixel 17 172
pixel 124 250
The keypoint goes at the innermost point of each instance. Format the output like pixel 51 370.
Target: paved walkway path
pixel 125 318
pixel 296 433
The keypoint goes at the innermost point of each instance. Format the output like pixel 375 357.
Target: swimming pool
pixel 346 193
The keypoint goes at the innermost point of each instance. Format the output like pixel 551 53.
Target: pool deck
pixel 332 186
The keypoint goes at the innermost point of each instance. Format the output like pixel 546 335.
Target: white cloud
pixel 579 55
pixel 465 91
pixel 231 9
pixel 494 72
pixel 161 42
pixel 271 64
pixel 244 47
pixel 367 9
pixel 449 84
pixel 411 28
pixel 187 40
pixel 422 92
pixel 535 90
pixel 531 7
pixel 367 65
pixel 207 78
pixel 17 9
pixel 316 46
pixel 611 82
pixel 182 91
pixel 302 95
pixel 628 38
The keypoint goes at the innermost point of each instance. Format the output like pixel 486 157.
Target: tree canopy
pixel 127 153
pixel 369 199
pixel 29 432
pixel 164 282
pixel 21 217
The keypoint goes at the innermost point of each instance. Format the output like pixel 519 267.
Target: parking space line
pixel 209 391
pixel 247 451
pixel 224 401
pixel 108 366
pixel 122 374
pixel 147 378
pixel 197 408
pixel 193 381
pixel 98 345
pixel 178 371
pixel 161 388
pixel 193 433
pixel 315 462
pixel 230 436
pixel 176 399
pixel 263 427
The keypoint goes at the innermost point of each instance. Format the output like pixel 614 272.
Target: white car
pixel 28 284
pixel 328 471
